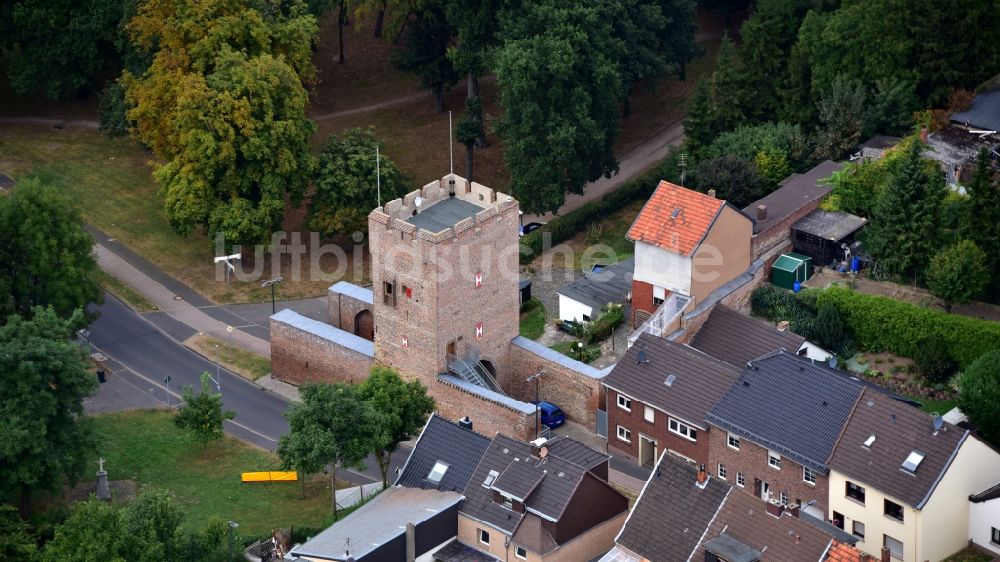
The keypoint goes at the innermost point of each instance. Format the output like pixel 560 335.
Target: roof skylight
pixel 870 440
pixel 490 478
pixel 913 461
pixel 437 473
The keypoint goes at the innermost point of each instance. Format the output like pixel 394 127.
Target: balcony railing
pixel 659 324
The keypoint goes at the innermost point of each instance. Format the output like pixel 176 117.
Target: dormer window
pixel 437 473
pixel 913 461
pixel 491 478
pixel 506 501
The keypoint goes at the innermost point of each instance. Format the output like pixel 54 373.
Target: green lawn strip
pixel 940 407
pixel 532 319
pixel 245 363
pixel 569 349
pixel 126 294
pixel 145 446
pixel 968 554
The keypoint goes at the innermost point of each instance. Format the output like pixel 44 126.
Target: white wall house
pixel 663 269
pixel 571 309
pixel 984 519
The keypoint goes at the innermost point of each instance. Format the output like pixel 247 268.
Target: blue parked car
pixel 552 416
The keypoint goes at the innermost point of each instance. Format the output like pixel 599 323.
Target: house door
pixel 647 451
pixel 765 491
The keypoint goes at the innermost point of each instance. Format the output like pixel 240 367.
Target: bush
pixel 881 323
pixel 933 360
pixel 112 110
pixel 612 315
pixel 979 395
pixel 566 226
pixel 830 331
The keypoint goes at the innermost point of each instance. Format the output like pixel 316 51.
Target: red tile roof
pixel 841 552
pixel 675 218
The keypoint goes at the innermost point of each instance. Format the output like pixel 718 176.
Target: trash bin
pixel 101 375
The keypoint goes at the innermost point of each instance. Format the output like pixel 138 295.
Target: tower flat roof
pixel 443 214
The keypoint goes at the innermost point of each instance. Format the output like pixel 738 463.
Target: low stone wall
pixel 573 386
pixel 491 413
pixel 346 304
pixel 305 350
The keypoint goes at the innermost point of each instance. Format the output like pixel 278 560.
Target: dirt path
pixel 57 123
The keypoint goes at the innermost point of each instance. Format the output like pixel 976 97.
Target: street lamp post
pixel 272 283
pixel 535 378
pixel 232 527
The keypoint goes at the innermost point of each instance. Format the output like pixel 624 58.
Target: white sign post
pixel 229 265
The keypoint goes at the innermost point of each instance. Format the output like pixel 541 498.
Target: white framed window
pixel 784 498
pixel 858 529
pixel 895 546
pixel 682 429
pixel 484 537
pixel 507 501
pixel 808 475
pixel 741 480
pixel 722 471
pixel 624 403
pixel 774 460
pixel 659 295
pixel 733 441
pixel 648 414
pixel 521 552
pixel 995 535
pixel 437 473
pixel 624 434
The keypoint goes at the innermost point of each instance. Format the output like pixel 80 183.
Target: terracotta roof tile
pixel 841 552
pixel 675 218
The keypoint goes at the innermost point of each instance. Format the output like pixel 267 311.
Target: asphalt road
pixel 143 354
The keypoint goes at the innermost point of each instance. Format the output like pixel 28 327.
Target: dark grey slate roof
pixel 441 440
pixel 549 498
pixel 984 112
pixel 796 192
pixel 598 289
pixel 443 214
pixel 789 405
pixel 737 338
pixel 576 452
pixel 673 512
pixel 829 225
pixel 991 493
pixel 731 549
pixel 881 142
pixel 698 379
pixel 519 479
pixel 899 429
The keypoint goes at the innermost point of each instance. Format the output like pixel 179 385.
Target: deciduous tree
pixel 202 413
pixel 345 183
pixel 559 73
pixel 405 406
pixel 46 438
pixel 46 257
pixel 979 395
pixel 732 178
pixel 425 52
pixel 332 427
pixel 958 274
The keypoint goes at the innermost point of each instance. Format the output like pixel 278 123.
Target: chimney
pixel 702 474
pixel 774 508
pixel 783 325
pixel 793 510
pixel 923 135
pixel 465 422
pixel 103 490
pixel 538 448
pixel 865 557
pixel 885 554
pixel 761 213
pixel 411 542
pixel 711 193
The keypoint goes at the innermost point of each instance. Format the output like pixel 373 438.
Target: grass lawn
pixel 569 349
pixel 532 319
pixel 609 233
pixel 145 446
pixel 245 363
pixel 940 407
pixel 126 294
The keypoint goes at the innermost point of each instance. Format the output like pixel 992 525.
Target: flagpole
pixel 378 176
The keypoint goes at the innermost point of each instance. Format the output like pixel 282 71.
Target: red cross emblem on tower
pixel 479 331
pixel 406 342
pixel 479 279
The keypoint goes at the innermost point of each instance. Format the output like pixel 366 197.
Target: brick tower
pixel 445 278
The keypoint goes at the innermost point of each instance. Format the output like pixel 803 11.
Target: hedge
pixel 612 315
pixel 881 323
pixel 566 226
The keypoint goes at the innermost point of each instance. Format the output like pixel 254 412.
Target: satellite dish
pixel 938 423
pixel 418 201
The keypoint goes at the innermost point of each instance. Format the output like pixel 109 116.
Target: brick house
pixel 773 431
pixel 685 514
pixel 657 399
pixel 686 243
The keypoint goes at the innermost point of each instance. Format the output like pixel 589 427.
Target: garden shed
pixel 789 268
pixel 823 235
